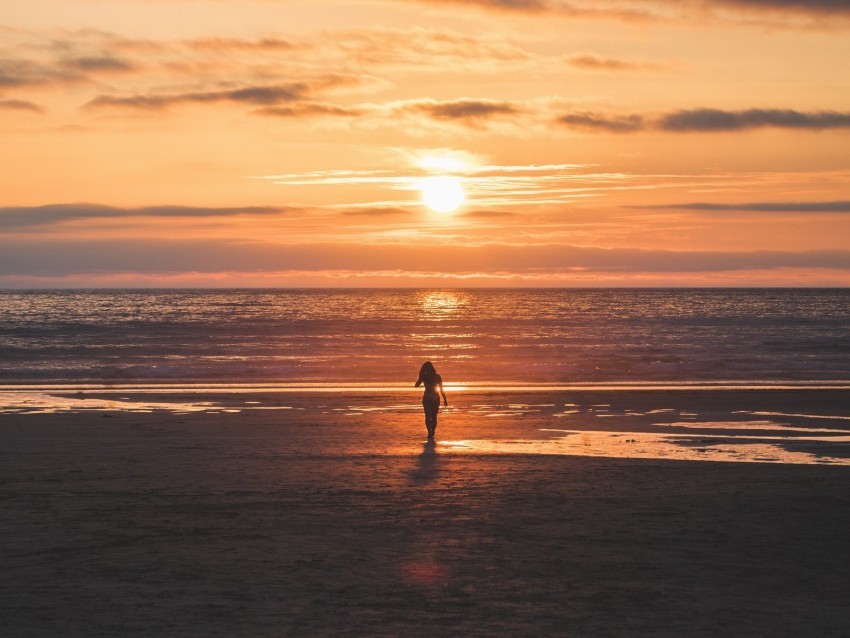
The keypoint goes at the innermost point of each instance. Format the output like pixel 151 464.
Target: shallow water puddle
pixel 799 447
pixel 794 414
pixel 41 403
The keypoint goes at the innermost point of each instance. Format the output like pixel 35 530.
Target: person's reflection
pixel 426 463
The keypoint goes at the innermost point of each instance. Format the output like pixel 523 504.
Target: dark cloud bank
pixel 56 258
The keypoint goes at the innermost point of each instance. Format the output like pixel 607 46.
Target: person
pixel 431 399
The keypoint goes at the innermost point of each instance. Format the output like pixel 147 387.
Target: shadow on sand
pixel 426 469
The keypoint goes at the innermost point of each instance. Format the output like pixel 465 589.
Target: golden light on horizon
pixel 442 193
pixel 349 151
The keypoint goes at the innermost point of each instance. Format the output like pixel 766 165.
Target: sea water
pixel 508 336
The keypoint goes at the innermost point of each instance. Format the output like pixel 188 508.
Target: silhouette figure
pixel 431 398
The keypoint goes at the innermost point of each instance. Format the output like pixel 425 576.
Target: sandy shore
pixel 320 514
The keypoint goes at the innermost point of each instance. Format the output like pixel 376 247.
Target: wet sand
pixel 320 514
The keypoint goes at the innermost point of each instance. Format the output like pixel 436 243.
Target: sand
pixel 324 514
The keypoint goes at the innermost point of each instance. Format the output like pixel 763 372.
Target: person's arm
pixel 445 400
pixel 418 382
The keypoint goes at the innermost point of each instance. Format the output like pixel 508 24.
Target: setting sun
pixel 442 194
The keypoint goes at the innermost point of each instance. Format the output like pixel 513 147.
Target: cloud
pixel 423 48
pixel 761 207
pixel 256 95
pixel 705 120
pixel 488 214
pixel 509 5
pixel 822 14
pixel 490 186
pixel 591 62
pixel 589 121
pixel 718 120
pixel 265 95
pixel 620 7
pixel 463 109
pixel 826 6
pixel 101 63
pixel 389 211
pixel 472 113
pixel 227 45
pixel 311 109
pixel 12 217
pixel 16 73
pixel 20 105
pixel 56 258
pixel 25 72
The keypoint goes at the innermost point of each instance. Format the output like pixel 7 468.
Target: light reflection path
pixel 649 432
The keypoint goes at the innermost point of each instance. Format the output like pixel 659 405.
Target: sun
pixel 442 193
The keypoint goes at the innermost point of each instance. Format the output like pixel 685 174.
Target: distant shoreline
pixel 484 386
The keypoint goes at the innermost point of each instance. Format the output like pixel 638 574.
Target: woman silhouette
pixel 431 399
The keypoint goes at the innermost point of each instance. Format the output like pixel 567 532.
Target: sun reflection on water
pixel 441 304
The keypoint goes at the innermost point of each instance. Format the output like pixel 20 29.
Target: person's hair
pixel 427 371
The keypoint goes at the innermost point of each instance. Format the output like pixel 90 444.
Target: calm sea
pixel 473 336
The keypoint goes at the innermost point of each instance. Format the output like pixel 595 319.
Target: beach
pixel 268 512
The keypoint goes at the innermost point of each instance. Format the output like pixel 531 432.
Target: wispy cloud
pixel 465 109
pixel 479 113
pixel 500 188
pixel 646 6
pixel 421 47
pixel 20 105
pixel 100 63
pixel 503 5
pixel 476 114
pixel 308 109
pixel 389 211
pixel 593 62
pixel 12 217
pixel 759 207
pixel 826 14
pixel 488 214
pixel 826 6
pixel 623 10
pixel 278 76
pixel 526 188
pixel 485 185
pixel 590 121
pixel 22 72
pixel 252 95
pixel 229 45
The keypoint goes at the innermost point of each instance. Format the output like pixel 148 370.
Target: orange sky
pixel 286 143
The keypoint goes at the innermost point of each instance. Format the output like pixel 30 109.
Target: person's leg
pixel 431 409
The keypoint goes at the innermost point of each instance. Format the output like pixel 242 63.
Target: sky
pixel 280 143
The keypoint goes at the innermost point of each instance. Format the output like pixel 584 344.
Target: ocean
pixel 381 336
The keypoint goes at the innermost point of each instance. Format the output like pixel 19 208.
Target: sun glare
pixel 443 193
